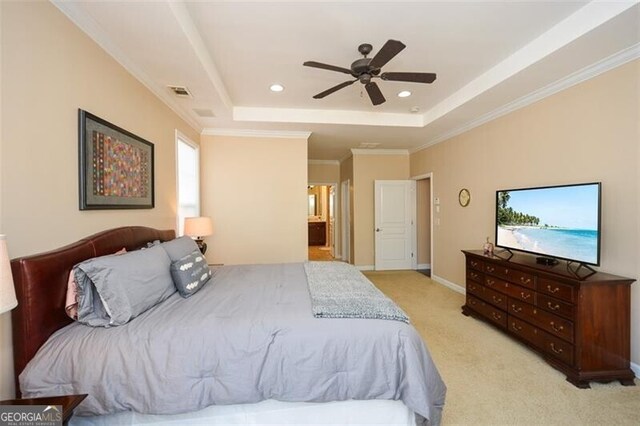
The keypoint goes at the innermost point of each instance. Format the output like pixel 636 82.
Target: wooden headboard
pixel 41 285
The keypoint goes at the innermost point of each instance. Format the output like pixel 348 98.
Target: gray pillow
pixel 179 247
pixel 190 273
pixel 114 289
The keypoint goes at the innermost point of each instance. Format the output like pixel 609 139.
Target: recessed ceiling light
pixel 404 94
pixel 276 88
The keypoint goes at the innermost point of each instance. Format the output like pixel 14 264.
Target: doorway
pixel 424 224
pixel 321 221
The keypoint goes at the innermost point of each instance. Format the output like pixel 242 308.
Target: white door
pixel 394 224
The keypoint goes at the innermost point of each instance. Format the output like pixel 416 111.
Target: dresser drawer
pixel 478 265
pixel 488 311
pixel 475 275
pixel 555 289
pixel 475 289
pixel 497 270
pixel 521 293
pixel 495 298
pixel 496 284
pixel 554 324
pixel 521 309
pixel 525 331
pixel 556 306
pixel 557 348
pixel 522 278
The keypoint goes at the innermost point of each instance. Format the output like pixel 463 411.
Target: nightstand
pixel 68 402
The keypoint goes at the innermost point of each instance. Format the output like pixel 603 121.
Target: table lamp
pixel 198 227
pixel 8 299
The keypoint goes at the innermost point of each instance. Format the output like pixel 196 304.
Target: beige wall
pixel 366 169
pixel 254 189
pixel 589 132
pixel 423 221
pixel 323 173
pixel 49 70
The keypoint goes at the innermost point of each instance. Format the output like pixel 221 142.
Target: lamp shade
pixel 198 226
pixel 8 299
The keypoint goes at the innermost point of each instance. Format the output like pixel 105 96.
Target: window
pixel 188 175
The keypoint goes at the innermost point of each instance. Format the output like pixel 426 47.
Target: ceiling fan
pixel 366 69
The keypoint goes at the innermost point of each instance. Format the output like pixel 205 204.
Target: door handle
pixel 378 229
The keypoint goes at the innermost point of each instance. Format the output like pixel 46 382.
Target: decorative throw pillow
pixel 190 273
pixel 179 247
pixel 114 289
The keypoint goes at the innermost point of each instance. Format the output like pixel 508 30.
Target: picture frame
pixel 116 167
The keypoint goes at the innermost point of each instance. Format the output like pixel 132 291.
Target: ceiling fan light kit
pixel 366 69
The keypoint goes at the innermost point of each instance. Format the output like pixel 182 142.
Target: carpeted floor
pixel 491 379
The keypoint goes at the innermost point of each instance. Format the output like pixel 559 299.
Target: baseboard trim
pixel 636 369
pixel 364 267
pixel 424 266
pixel 453 286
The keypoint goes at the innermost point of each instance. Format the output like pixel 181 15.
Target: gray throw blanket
pixel 338 290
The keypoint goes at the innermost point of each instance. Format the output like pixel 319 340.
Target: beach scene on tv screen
pixel 556 222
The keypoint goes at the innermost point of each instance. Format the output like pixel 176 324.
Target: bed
pixel 246 346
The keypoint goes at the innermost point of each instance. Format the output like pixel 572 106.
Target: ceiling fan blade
pixel 390 49
pixel 374 93
pixel 326 67
pixel 334 89
pixel 412 77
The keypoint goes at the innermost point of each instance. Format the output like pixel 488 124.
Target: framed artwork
pixel 116 166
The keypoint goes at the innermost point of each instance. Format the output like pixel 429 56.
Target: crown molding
pixel 89 26
pixel 324 162
pixel 246 133
pixel 617 59
pixel 376 151
pixel 325 116
pixel 585 19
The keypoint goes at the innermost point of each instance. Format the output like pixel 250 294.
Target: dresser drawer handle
pixel 554 290
pixel 496 316
pixel 525 296
pixel 472 287
pixel 516 308
pixel 525 281
pixel 473 275
pixel 497 299
pixel 473 302
pixel 474 263
pixel 558 329
pixel 516 327
pixel 553 307
pixel 553 348
pixel 490 282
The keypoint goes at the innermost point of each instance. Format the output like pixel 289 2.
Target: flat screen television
pixel 554 222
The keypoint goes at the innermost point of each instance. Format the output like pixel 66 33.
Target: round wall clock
pixel 464 197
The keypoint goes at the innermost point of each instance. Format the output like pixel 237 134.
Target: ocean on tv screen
pixel 577 244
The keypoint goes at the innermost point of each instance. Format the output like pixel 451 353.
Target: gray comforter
pixel 247 336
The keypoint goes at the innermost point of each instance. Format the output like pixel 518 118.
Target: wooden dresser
pixel 579 326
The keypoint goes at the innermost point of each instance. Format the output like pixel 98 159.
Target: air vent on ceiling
pixel 204 112
pixel 369 145
pixel 180 91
